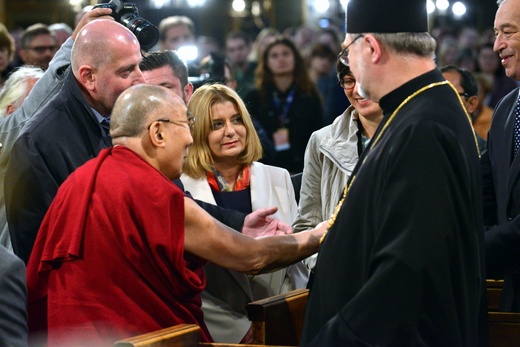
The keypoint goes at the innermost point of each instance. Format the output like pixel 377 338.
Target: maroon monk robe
pixel 109 258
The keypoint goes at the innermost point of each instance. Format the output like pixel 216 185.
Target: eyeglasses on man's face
pixel 190 122
pixel 43 49
pixel 343 55
pixel 347 83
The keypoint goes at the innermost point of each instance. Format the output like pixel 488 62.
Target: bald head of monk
pixel 152 121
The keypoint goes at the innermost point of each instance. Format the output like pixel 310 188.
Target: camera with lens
pixel 127 14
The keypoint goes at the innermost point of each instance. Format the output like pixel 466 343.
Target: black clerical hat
pixel 386 16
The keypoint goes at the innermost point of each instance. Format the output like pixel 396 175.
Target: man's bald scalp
pixel 134 106
pixel 94 47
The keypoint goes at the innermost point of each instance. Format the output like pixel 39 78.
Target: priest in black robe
pixel 402 263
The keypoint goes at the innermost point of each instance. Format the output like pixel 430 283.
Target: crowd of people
pixel 273 97
pixel 132 185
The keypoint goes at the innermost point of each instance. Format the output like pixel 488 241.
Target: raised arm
pixel 215 242
pixel 52 79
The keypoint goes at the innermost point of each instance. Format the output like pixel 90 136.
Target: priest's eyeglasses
pixel 190 121
pixel 343 55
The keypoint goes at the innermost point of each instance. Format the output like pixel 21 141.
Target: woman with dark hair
pixel 286 103
pixel 333 152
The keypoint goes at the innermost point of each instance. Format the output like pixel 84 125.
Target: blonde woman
pixel 222 169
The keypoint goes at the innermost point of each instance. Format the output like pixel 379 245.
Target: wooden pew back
pixel 504 329
pixel 278 320
pixel 493 290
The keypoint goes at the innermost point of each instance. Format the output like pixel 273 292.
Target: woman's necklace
pixel 373 143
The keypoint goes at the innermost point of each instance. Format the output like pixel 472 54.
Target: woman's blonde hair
pixel 200 159
pixel 6 40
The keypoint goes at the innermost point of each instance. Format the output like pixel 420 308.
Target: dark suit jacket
pixel 232 218
pixel 501 185
pixel 60 137
pixel 13 315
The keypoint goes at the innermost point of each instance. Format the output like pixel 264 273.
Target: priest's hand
pixel 258 223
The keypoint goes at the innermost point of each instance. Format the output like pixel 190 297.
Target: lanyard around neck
pixel 286 106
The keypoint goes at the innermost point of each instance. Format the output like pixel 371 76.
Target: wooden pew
pixel 279 319
pixel 493 290
pixel 184 335
pixel 504 329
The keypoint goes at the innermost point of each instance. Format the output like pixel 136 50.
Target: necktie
pixel 516 133
pixel 105 124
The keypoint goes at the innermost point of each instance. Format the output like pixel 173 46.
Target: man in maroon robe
pixel 120 250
